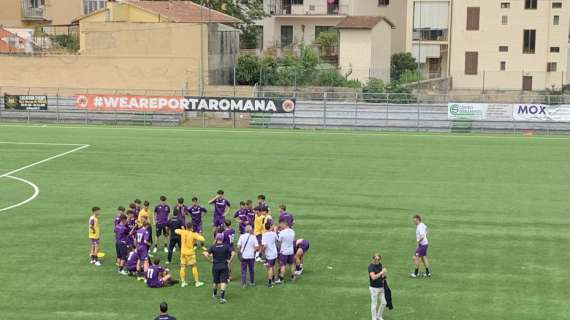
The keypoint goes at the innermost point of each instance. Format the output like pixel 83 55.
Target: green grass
pixel 496 207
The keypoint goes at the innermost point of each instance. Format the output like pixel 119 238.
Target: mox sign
pixel 181 104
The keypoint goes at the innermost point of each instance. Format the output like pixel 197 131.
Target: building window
pixel 431 20
pixel 505 5
pixel 556 20
pixel 503 48
pixel 551 67
pixel 503 65
pixel 473 18
pixel 505 20
pixel 555 49
pixel 93 5
pixel 320 29
pixel 297 2
pixel 530 4
pixel 36 3
pixel 383 2
pixel 556 5
pixel 529 41
pixel 286 36
pixel 471 62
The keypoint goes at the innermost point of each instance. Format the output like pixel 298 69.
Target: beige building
pixel 32 13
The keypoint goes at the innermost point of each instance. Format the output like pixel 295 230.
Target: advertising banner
pixel 530 112
pixel 136 103
pixel 25 102
pixel 466 111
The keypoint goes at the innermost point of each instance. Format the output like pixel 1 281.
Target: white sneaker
pixel 165 250
pixel 173 249
pixel 258 259
pixel 97 263
pixel 278 281
pixel 413 275
pixel 167 262
pixel 199 284
pixel 184 284
pixel 154 250
pixel 92 262
pixel 124 273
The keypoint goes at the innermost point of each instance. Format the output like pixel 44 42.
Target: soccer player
pixel 229 235
pixel 143 244
pixel 220 255
pixel 242 217
pixel 121 238
pixel 247 246
pixel 221 208
pixel 132 226
pixel 180 211
pixel 164 313
pixel 157 276
pixel 188 255
pixel 269 248
pixel 285 216
pixel 262 204
pixel 94 235
pixel 250 212
pixel 173 224
pixel 197 212
pixel 301 248
pixel 258 228
pixel 376 275
pixel 132 262
pixel 120 211
pixel 286 239
pixel 161 212
pixel 421 247
pixel 145 214
pixel 137 207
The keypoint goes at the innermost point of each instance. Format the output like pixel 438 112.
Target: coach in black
pixel 376 275
pixel 219 254
pixel 173 224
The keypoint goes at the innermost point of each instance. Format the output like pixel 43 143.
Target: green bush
pixel 247 70
pixel 67 42
pixel 402 63
pixel 328 41
pixel 410 76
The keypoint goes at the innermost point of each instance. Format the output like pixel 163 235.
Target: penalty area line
pixel 9 175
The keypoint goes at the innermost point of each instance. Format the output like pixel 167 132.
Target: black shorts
pixel 161 229
pixel 122 251
pixel 220 274
pixel 150 234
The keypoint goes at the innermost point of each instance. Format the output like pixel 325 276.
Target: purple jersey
pixel 287 218
pixel 180 211
pixel 153 276
pixel 241 214
pixel 220 206
pixel 250 216
pixel 196 213
pixel 229 235
pixel 142 238
pixel 122 233
pixel 131 225
pixel 132 261
pixel 162 211
pixel 302 244
pixel 117 219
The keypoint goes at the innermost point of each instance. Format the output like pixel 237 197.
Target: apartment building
pixel 32 13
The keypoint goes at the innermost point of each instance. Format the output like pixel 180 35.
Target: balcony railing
pixel 308 9
pixel 30 12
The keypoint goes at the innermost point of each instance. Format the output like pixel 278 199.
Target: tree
pixel 328 41
pixel 402 63
pixel 248 12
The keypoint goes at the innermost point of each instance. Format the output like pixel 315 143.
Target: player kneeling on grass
pixel 188 254
pixel 156 276
pixel 132 262
pixel 220 255
pixel 94 235
pixel 301 248
pixel 269 249
pixel 286 240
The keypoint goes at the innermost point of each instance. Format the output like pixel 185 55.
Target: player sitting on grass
pixel 157 276
pixel 301 248
pixel 94 235
pixel 197 212
pixel 188 254
pixel 121 238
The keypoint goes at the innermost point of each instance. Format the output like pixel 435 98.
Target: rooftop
pixel 363 22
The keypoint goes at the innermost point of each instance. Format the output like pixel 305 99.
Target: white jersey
pixel 247 243
pixel 421 231
pixel 287 239
pixel 269 242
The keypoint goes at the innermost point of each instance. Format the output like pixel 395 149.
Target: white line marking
pixel 319 131
pixel 36 193
pixel 41 143
pixel 43 161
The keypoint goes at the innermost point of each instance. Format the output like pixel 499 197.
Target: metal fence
pixel 314 110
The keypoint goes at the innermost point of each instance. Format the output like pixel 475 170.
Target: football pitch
pixel 496 208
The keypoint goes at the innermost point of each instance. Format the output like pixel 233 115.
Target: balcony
pixel 286 8
pixel 427 34
pixel 33 10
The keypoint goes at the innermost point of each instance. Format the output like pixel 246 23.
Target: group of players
pixel 260 239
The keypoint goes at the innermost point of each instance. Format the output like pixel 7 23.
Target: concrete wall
pixel 223 53
pixel 355 52
pixel 381 38
pixel 493 34
pixel 10 13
